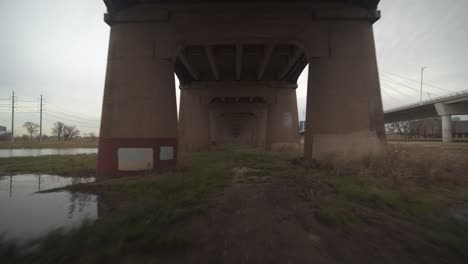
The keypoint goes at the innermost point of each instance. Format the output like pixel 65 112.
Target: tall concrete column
pixel 282 121
pixel 344 107
pixel 212 121
pixel 194 125
pixel 445 111
pixel 262 117
pixel 139 114
pixel 447 128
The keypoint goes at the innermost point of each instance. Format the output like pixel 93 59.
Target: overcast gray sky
pixel 58 48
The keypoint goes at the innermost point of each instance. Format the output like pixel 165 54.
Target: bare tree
pixel 69 132
pixel 92 135
pixel 413 129
pixel 57 130
pixel 399 127
pixel 436 127
pixel 416 128
pixel 32 128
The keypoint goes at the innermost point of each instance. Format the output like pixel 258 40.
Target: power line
pixel 23 101
pixel 56 113
pixel 59 115
pixel 389 95
pixel 53 109
pixel 389 86
pixel 22 108
pixel 403 85
pixel 51 115
pixel 409 79
pixel 27 108
pixel 60 108
pixel 399 83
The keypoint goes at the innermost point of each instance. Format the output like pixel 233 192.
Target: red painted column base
pixel 107 162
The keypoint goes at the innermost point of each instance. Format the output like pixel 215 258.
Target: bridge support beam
pixel 139 115
pixel 344 107
pixel 282 123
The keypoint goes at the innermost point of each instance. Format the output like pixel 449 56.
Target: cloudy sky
pixel 58 48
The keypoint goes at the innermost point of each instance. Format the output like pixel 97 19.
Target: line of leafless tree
pixel 64 132
pixel 416 129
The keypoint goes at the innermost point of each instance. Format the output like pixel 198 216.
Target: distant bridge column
pixel 344 106
pixel 262 125
pixel 194 121
pixel 139 114
pixel 282 122
pixel 447 128
pixel 445 111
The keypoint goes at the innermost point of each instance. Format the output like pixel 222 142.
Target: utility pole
pixel 40 124
pixel 13 117
pixel 422 79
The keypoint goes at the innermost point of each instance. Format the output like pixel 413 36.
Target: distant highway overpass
pixel 445 107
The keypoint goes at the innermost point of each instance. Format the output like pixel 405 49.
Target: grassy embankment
pixel 142 214
pixel 408 207
pixel 49 143
pixel 82 165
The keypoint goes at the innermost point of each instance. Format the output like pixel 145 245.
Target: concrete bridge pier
pixel 344 107
pixel 139 116
pixel 447 128
pixel 283 124
pixel 446 111
pixel 194 122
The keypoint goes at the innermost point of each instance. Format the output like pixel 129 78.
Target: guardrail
pixel 429 101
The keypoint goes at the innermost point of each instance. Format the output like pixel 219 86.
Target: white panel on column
pixel 287 119
pixel 134 159
pixel 166 153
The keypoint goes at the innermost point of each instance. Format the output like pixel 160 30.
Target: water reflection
pixel 9 153
pixel 25 214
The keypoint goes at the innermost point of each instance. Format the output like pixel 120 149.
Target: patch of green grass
pixel 450 231
pixel 367 192
pixel 145 216
pixel 67 165
pixel 256 173
pixel 261 160
pixel 336 216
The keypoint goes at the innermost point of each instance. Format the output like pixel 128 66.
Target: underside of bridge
pixel 238 63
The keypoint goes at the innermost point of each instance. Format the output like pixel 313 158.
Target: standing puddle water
pixel 11 153
pixel 25 214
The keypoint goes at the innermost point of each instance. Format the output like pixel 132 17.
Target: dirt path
pixel 249 226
